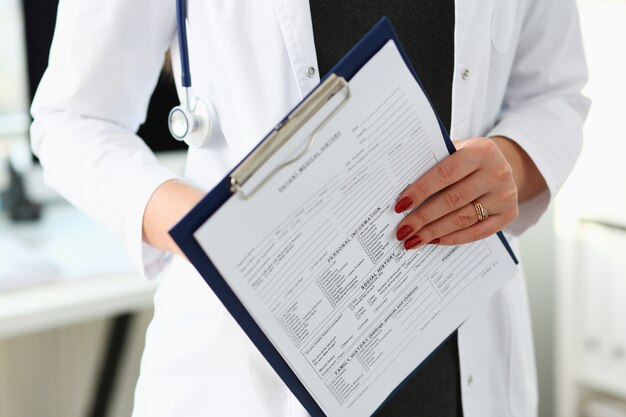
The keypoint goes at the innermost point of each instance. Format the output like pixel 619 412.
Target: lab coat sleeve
pixel 543 108
pixel 105 60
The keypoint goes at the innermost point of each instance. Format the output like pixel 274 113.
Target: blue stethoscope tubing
pixel 190 121
pixel 181 16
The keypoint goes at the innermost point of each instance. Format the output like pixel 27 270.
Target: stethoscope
pixel 190 121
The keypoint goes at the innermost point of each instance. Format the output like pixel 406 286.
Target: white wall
pixel 13 82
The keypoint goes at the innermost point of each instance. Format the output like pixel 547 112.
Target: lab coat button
pixel 470 380
pixel 465 74
pixel 310 71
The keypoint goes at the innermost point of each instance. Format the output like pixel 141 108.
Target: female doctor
pixel 511 77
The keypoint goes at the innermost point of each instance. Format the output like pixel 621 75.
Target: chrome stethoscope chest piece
pixel 190 123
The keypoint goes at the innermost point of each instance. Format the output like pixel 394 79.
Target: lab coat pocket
pixel 503 25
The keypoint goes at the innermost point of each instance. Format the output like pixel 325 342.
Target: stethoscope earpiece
pixel 189 122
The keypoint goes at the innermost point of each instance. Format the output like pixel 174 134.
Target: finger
pixel 460 219
pixel 449 171
pixel 479 231
pixel 447 201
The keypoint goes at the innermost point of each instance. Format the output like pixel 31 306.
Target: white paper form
pixel 313 254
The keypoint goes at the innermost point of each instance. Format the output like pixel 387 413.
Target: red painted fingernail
pixel 404 232
pixel 412 242
pixel 435 241
pixel 403 204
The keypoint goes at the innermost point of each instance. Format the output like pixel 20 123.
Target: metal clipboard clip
pixel 283 132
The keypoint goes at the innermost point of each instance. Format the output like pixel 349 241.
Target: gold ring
pixel 481 212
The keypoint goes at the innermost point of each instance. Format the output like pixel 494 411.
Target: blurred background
pixel 73 313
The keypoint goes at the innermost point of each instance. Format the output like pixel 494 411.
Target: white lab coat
pixel 518 71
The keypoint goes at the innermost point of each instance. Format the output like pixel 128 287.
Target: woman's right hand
pixel 168 204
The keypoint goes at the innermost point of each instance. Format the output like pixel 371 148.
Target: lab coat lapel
pixel 294 17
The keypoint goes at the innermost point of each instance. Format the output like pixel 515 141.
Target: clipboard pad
pixel 183 233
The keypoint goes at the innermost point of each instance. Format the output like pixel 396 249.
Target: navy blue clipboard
pixel 183 232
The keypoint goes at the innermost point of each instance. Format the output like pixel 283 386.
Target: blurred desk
pixel 55 304
pixel 65 270
pixel 87 273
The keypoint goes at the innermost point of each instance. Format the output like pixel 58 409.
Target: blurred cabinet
pixel 602 300
pixel 592 320
pixel 604 408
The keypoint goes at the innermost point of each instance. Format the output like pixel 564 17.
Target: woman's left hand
pixel 443 199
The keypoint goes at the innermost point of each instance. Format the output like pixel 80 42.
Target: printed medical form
pixel 313 256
